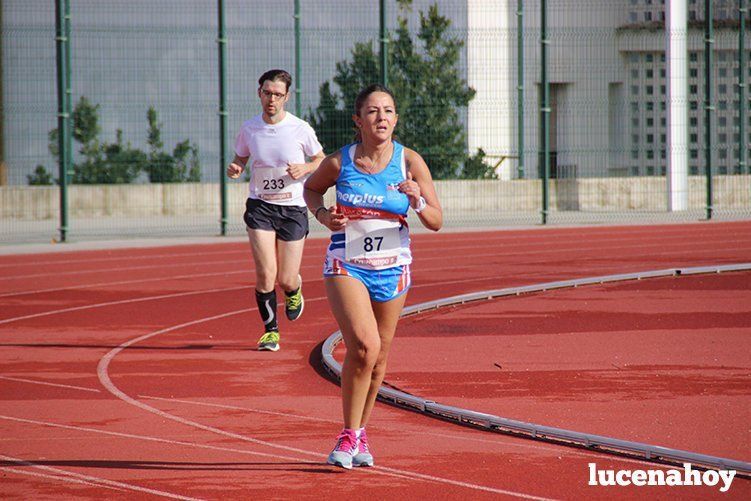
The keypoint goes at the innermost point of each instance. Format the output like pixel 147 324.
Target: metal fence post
pixel 520 83
pixel 384 47
pixel 222 43
pixel 742 68
pixel 545 109
pixel 708 108
pixel 298 68
pixel 62 39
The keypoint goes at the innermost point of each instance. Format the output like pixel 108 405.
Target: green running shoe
pixel 269 341
pixel 294 304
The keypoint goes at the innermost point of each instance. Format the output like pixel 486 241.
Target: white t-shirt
pixel 271 148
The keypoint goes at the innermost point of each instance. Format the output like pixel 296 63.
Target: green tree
pixel 426 81
pixel 475 167
pixel 40 177
pixel 119 162
pixel 180 166
pixel 101 163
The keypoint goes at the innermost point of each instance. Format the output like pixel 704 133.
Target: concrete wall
pixel 625 194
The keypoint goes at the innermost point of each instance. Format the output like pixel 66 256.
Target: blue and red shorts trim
pixel 382 285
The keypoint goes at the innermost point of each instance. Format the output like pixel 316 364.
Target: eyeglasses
pixel 268 94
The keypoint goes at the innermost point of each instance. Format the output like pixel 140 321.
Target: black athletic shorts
pixel 289 222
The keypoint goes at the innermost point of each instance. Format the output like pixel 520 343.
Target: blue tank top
pixel 377 235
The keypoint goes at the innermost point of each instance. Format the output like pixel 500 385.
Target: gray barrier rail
pixel 535 431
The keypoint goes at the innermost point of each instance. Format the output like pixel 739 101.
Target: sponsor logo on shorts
pixel 374 261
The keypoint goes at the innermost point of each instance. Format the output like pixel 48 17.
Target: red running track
pixel 131 373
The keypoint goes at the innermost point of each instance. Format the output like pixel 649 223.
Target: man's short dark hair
pixel 278 76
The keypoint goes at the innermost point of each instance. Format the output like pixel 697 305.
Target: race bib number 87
pixel 372 242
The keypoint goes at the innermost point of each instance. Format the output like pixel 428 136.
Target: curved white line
pixel 102 372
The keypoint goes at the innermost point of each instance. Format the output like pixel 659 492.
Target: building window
pixel 635 122
pixel 694 153
pixel 723 138
pixel 693 73
pixel 635 154
pixel 722 88
pixel 650 73
pixel 650 170
pixel 650 106
pixel 649 58
pixel 693 121
pixel 634 90
pixel 694 138
pixel 635 74
pixel 722 154
pixel 723 72
pixel 650 122
pixel 693 56
pixel 650 138
pixel 722 121
pixel 663 122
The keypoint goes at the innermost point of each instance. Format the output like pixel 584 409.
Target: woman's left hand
pixel 410 188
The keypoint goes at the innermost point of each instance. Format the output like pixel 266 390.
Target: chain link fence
pixel 469 83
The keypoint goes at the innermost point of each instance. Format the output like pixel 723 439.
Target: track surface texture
pixel 132 373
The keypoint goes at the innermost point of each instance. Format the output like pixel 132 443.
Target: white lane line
pixel 22 380
pixel 275 456
pixel 124 257
pixel 112 270
pixel 138 299
pixel 61 478
pixel 102 371
pixel 240 408
pixel 317 265
pixel 103 482
pixel 122 301
pixel 524 252
pixel 127 282
pixel 503 440
pixel 670 231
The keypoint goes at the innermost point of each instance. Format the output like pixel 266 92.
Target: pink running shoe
pixel 344 450
pixel 363 456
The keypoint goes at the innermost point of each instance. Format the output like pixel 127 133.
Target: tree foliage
pixel 120 162
pixel 40 177
pixel 424 77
